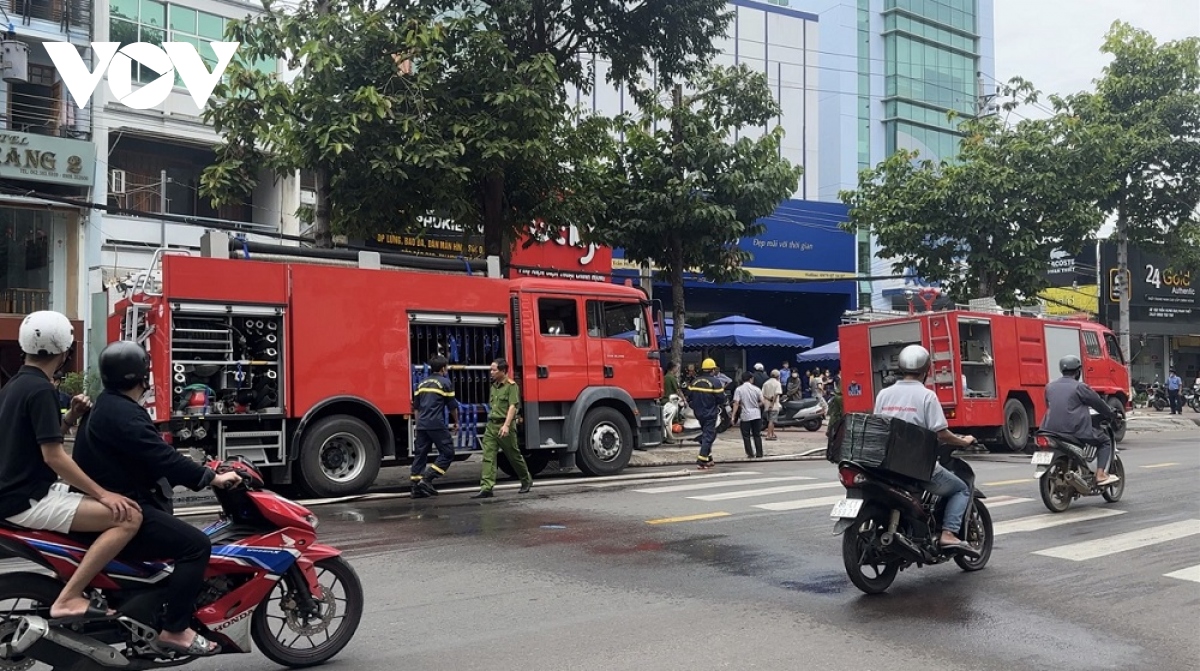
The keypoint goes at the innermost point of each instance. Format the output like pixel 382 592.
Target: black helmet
pixel 124 365
pixel 1069 364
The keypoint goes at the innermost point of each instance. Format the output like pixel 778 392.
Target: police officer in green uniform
pixel 501 434
pixel 433 397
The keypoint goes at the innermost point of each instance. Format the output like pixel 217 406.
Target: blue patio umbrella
pixel 743 332
pixel 828 352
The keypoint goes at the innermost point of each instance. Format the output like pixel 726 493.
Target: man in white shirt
pixel 747 409
pixel 772 392
pixel 910 400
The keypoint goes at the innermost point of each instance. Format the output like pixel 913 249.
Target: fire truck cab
pixel 307 367
pixel 989 370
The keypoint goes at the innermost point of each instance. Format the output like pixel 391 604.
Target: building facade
pixel 890 72
pixel 151 160
pixel 46 156
pixel 1164 314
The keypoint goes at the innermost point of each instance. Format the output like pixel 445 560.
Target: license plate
pixel 846 508
pixel 1042 458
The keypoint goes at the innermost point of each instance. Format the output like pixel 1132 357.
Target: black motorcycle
pixel 1063 466
pixel 889 522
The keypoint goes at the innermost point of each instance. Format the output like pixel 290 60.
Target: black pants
pixel 752 428
pixel 427 438
pixel 164 536
pixel 708 436
pixel 1174 399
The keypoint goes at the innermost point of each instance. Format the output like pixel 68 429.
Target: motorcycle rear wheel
pixel 856 548
pixel 979 535
pixel 272 644
pixel 1056 493
pixel 39 589
pixel 1113 493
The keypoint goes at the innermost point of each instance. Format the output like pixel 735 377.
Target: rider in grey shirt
pixel 1067 403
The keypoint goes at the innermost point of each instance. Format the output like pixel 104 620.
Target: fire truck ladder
pixel 941 354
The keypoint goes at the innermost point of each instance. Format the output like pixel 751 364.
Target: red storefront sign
pixel 561 256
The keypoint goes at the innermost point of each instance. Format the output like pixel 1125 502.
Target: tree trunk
pixel 495 238
pixel 1123 276
pixel 678 310
pixel 322 215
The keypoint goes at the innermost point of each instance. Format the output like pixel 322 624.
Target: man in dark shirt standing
pixel 433 397
pixel 119 446
pixel 706 394
pixel 32 458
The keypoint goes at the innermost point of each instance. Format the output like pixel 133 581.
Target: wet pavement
pixel 738 569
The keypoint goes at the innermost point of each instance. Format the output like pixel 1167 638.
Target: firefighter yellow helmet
pixel 708 364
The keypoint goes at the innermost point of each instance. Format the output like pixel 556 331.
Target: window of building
pixel 33 106
pixel 142 163
pixel 157 22
pixel 25 259
pixel 558 316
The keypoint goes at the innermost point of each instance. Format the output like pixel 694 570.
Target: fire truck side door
pixel 620 331
pixel 561 363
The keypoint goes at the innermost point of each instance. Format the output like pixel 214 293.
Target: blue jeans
pixel 950 487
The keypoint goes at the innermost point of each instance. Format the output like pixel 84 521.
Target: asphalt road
pixel 738 569
pixel 617 577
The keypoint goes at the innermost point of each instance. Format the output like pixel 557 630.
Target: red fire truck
pixel 307 368
pixel 989 370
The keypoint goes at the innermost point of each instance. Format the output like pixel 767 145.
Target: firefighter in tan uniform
pixel 501 432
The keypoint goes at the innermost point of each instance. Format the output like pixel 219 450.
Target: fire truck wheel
pixel 605 443
pixel 339 456
pixel 1016 425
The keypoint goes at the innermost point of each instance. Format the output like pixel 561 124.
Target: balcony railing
pixel 23 301
pixel 66 13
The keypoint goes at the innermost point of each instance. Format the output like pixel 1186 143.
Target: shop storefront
pixel 1164 314
pixel 40 256
pixel 802 274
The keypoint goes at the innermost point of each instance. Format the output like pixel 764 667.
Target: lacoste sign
pixel 167 60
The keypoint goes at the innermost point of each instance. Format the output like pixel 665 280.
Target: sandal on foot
pixel 200 647
pixel 1110 480
pixel 92 613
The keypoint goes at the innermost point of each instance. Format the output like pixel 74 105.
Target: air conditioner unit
pixel 116 181
pixel 308 197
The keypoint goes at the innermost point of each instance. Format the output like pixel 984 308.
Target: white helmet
pixel 46 333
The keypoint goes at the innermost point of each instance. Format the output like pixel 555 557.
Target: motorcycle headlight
pixel 312 519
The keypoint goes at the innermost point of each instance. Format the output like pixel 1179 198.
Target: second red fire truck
pixel 989 370
pixel 306 367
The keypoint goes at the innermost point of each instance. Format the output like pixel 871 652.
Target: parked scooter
pixel 807 412
pixel 1157 396
pixel 1191 397
pixel 1064 468
pixel 680 423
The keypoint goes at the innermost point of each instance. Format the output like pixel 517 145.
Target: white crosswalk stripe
pixel 1001 501
pixel 1039 522
pixel 1191 573
pixel 768 491
pixel 1111 545
pixel 669 489
pixel 801 504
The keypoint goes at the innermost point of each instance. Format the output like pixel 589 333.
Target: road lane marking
pixel 687 518
pixel 765 492
pixel 1037 522
pixel 801 504
pixel 1191 573
pixel 686 475
pixel 1169 463
pixel 1111 545
pixel 1001 483
pixel 724 483
pixel 998 501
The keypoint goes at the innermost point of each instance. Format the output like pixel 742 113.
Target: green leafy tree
pixel 986 223
pixel 673 39
pixel 1144 124
pixel 402 112
pixel 681 197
